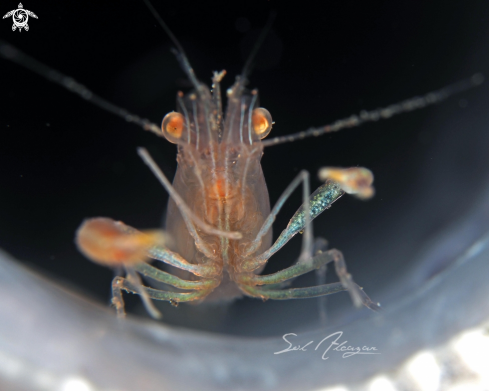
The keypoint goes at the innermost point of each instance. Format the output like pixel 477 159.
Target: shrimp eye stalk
pixel 262 122
pixel 173 127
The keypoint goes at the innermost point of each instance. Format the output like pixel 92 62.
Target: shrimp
pixel 219 211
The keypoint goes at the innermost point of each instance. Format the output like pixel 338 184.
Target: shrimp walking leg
pixel 167 278
pixel 305 293
pixel 174 259
pixel 135 280
pixel 289 273
pixel 114 243
pixel 356 181
pixel 133 284
pixel 358 296
pixel 320 246
pixel 322 300
pixel 120 283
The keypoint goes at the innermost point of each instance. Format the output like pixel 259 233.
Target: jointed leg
pixel 174 259
pixel 320 246
pixel 119 284
pixel 322 300
pixel 167 278
pixel 356 181
pixel 294 293
pixel 136 282
pixel 133 284
pixel 303 177
pixel 358 296
pixel 320 200
pixel 305 293
pixel 286 274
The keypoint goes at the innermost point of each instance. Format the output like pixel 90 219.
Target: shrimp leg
pixel 114 243
pixel 319 201
pixel 317 262
pixel 171 258
pixel 356 181
pixel 120 283
pixel 320 246
pixel 167 278
pixel 251 247
pixel 304 293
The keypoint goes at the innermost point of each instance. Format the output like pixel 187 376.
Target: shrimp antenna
pixel 405 106
pixel 11 53
pixel 248 64
pixel 178 52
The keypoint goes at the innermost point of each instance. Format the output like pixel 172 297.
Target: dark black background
pixel 62 159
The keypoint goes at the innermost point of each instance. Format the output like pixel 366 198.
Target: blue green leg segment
pixel 319 201
pixel 201 287
pixel 248 281
pixel 306 293
pixel 294 293
pixel 289 273
pixel 303 177
pixel 167 278
pixel 174 259
pixel 119 284
pixel 210 274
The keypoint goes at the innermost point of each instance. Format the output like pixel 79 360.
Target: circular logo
pixel 20 17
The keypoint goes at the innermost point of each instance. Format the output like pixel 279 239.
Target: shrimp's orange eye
pixel 172 126
pixel 262 122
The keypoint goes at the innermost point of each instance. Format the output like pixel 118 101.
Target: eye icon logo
pixel 20 16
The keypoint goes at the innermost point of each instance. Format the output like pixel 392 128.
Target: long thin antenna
pixel 9 52
pixel 248 65
pixel 354 120
pixel 179 52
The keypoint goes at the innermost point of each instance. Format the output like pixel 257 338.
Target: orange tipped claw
pixel 113 243
pixel 356 180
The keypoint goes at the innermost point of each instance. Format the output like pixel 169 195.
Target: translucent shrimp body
pixel 219 213
pixel 220 177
